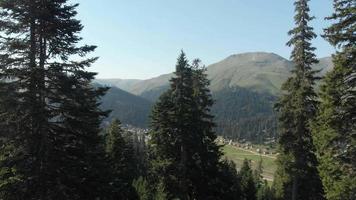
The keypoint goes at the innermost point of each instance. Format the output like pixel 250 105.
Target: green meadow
pixel 238 155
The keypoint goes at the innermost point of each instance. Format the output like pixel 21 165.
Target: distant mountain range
pixel 245 87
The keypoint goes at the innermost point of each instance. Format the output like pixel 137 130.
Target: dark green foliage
pixel 160 193
pixel 229 181
pixel 240 113
pixel 122 162
pixel 282 176
pixel 257 173
pixel 247 181
pixel 143 189
pixel 140 152
pixel 334 128
pixel 182 146
pixel 130 109
pixel 244 114
pixel 264 192
pixel 297 176
pixel 49 116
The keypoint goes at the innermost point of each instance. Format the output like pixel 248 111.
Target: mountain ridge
pixel 244 87
pixel 128 108
pixel 258 71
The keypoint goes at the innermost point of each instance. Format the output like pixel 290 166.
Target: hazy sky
pixel 142 38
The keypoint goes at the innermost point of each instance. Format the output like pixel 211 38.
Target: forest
pixel 57 142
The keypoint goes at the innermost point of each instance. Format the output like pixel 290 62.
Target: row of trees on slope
pixel 317 133
pixel 245 115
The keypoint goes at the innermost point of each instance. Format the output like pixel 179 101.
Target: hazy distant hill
pixel 129 108
pixel 259 71
pixel 124 84
pixel 244 86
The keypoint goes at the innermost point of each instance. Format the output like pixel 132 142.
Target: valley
pixel 244 86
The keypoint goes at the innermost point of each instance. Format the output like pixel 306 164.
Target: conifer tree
pixel 297 176
pixel 160 192
pixel 182 146
pixel 264 192
pixel 51 144
pixel 230 181
pixel 257 173
pixel 143 189
pixel 334 128
pixel 122 162
pixel 248 184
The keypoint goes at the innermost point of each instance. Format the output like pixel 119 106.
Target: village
pixel 267 148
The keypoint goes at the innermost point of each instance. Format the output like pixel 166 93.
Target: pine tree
pixel 160 193
pixel 143 190
pixel 140 153
pixel 257 173
pixel 122 162
pixel 51 147
pixel 297 176
pixel 182 145
pixel 248 184
pixel 264 192
pixel 334 128
pixel 229 181
pixel 171 137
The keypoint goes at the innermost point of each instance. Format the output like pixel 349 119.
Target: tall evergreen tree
pixel 143 189
pixel 297 176
pixel 122 162
pixel 51 144
pixel 229 181
pixel 257 173
pixel 265 192
pixel 248 184
pixel 185 155
pixel 334 128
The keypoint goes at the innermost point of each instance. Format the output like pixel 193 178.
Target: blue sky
pixel 142 38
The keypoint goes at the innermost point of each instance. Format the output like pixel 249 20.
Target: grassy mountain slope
pixel 151 84
pixel 263 72
pixel 259 71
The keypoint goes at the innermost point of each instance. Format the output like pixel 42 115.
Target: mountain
pixel 124 84
pixel 325 65
pixel 128 108
pixel 259 71
pixel 244 87
pixel 262 72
